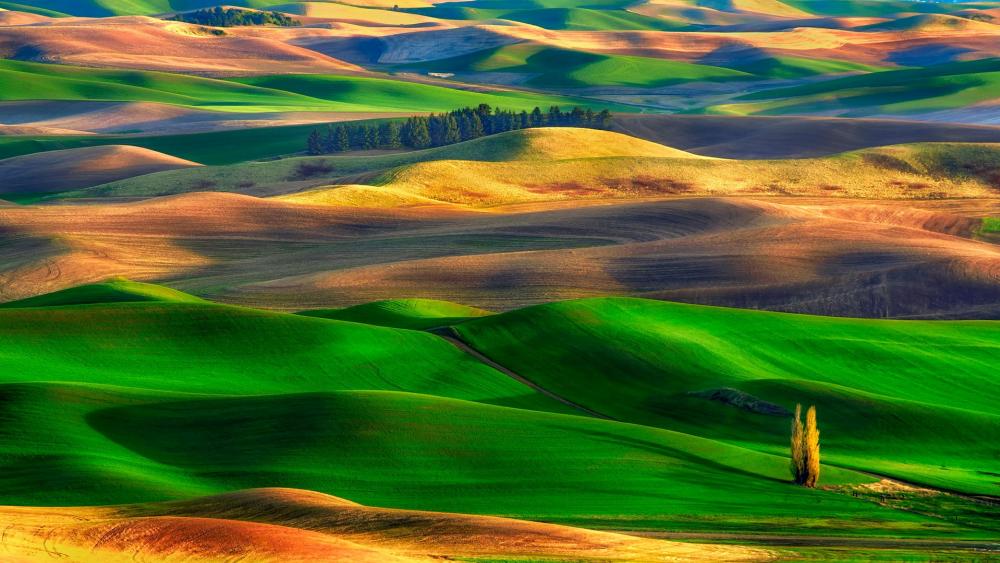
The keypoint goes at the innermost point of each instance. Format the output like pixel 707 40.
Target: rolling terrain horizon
pixel 495 281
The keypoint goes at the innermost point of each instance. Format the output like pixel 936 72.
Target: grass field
pixel 562 68
pixel 567 17
pixel 215 148
pixel 33 81
pixel 878 385
pixel 907 91
pixel 170 398
pixel 876 8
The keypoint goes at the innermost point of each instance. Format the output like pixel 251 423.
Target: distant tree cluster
pixel 233 17
pixel 437 130
pixel 805 448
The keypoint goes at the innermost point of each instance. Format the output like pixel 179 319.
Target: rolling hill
pixel 670 365
pixel 112 291
pixel 332 417
pixel 416 314
pixel 549 67
pixel 55 171
pixel 33 81
pixel 227 334
pixel 917 92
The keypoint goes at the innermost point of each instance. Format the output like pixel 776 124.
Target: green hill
pixel 112 291
pixel 876 8
pixel 28 8
pixel 940 87
pixel 577 16
pixel 562 68
pixel 91 444
pixel 208 348
pixel 416 314
pixel 911 399
pixel 138 401
pixel 34 81
pixel 356 93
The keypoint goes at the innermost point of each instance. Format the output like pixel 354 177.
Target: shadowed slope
pixel 417 314
pixel 790 137
pixel 69 169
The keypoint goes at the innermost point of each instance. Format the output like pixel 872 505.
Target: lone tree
pixel 805 448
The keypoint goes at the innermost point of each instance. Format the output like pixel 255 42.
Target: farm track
pixel 453 338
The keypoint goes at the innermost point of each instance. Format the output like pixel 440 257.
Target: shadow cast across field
pixel 678 454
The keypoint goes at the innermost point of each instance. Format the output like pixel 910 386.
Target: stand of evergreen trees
pixel 232 17
pixel 437 130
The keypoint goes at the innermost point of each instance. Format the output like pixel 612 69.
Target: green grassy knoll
pixel 415 314
pixel 213 148
pixel 140 401
pixel 113 291
pixel 555 15
pixel 941 87
pixel 36 81
pixel 916 400
pixel 357 93
pixel 799 67
pixel 564 68
pixel 991 225
pixel 28 8
pixel 208 348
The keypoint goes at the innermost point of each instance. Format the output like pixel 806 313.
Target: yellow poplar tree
pixel 811 447
pixel 798 464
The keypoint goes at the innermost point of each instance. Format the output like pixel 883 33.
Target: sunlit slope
pixel 293 525
pixel 207 348
pixel 904 172
pixel 34 81
pixel 112 291
pixel 417 314
pixel 95 445
pixel 533 147
pixel 912 399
